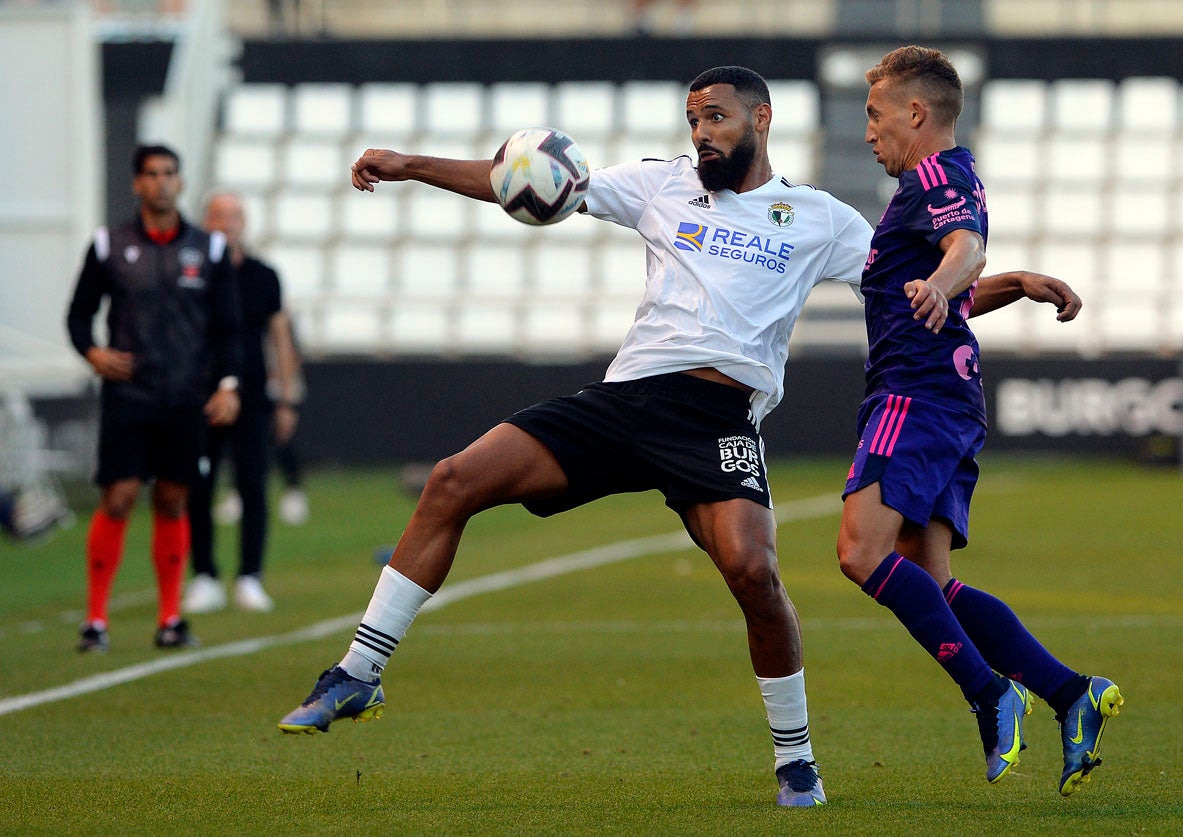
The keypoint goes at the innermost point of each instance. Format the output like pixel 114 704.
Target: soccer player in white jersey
pixel 733 250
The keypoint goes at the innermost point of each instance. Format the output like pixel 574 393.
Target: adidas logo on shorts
pixel 751 482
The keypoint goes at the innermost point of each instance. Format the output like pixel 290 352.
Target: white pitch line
pixel 551 568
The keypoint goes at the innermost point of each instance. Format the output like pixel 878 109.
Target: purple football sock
pixel 916 600
pixel 1003 640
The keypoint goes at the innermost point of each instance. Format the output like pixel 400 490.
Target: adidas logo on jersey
pixel 751 482
pixel 703 202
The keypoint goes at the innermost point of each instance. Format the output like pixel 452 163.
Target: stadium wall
pixel 369 412
pixel 49 184
pixel 624 59
pixel 363 411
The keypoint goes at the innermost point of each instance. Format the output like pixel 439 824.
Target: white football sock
pixel 788 717
pixel 392 608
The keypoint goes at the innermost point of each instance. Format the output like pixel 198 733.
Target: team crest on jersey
pixel 131 253
pixel 781 214
pixel 191 260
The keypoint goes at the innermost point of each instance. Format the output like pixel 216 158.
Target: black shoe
pixel 92 639
pixel 176 635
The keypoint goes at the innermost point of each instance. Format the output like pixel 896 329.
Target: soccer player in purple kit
pixel 923 420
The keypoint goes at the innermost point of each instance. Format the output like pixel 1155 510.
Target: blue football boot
pixel 1081 729
pixel 1001 728
pixel 335 696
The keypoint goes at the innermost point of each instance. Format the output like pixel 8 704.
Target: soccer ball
pixel 539 176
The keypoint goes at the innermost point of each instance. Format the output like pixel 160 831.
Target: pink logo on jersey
pixel 965 361
pixel 949 207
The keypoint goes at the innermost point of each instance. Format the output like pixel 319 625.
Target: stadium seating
pixel 653 110
pixel 246 164
pixel 313 163
pixel 352 327
pixel 387 110
pixel 304 216
pixel 486 326
pixel 360 272
pixel 256 110
pixel 514 105
pixel 420 328
pixel 1084 172
pixel 1082 106
pixel 585 108
pixel 1082 182
pixel 322 110
pixel 453 109
pixel 428 272
pixel 369 216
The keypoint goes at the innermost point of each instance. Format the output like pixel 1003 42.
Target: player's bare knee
pixel 118 508
pixel 170 500
pixel 854 560
pixel 755 583
pixel 447 489
pixel 118 500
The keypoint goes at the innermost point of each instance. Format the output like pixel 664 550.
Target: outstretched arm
pixel 1001 289
pixel 464 177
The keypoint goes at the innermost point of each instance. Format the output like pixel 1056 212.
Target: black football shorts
pixel 147 440
pixel 691 439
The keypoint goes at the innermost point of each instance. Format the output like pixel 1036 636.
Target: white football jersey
pixel 727 273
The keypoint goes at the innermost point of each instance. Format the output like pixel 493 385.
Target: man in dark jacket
pixel 266 331
pixel 172 320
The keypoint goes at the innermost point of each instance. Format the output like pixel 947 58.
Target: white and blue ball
pixel 539 176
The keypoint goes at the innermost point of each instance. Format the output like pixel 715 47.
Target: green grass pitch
pixel 613 700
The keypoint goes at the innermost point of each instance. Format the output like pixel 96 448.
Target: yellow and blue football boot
pixel 335 696
pixel 1081 729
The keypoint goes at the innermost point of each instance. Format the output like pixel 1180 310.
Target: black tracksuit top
pixel 174 306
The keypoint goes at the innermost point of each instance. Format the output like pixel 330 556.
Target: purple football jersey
pixel 940 195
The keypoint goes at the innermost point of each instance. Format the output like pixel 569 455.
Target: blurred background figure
pixel 292 17
pixel 644 17
pixel 27 515
pixel 172 318
pixel 266 416
pixel 293 502
pixel 32 503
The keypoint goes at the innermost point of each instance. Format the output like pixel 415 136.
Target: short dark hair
pixel 143 152
pixel 749 85
pixel 930 71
